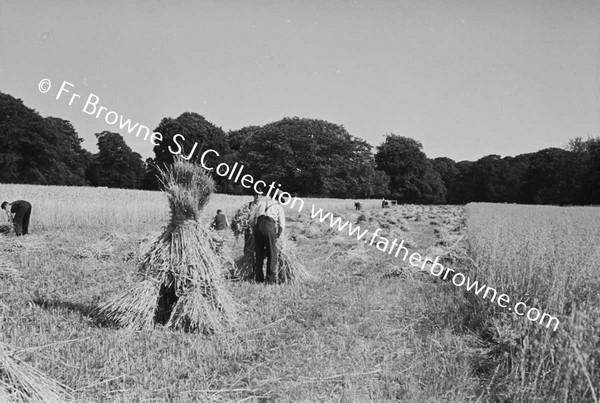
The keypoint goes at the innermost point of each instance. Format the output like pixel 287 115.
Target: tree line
pixel 308 157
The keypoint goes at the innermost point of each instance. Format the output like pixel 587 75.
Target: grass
pixel 364 329
pixel 348 335
pixel 547 257
pixel 358 338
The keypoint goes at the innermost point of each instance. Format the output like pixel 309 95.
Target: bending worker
pixel 268 221
pixel 220 223
pixel 19 211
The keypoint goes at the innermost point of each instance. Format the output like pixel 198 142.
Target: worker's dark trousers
pixel 265 237
pixel 248 242
pixel 21 220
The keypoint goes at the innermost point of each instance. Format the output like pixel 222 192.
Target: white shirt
pixel 269 208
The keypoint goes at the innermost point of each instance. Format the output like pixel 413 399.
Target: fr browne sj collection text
pixel 92 107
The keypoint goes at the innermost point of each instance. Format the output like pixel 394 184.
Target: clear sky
pixel 466 78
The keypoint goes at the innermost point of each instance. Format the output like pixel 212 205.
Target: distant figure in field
pixel 357 206
pixel 18 212
pixel 221 223
pixel 384 203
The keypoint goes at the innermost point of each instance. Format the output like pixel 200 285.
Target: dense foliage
pixel 188 136
pixel 115 165
pixel 36 150
pixel 413 179
pixel 308 157
pixel 311 157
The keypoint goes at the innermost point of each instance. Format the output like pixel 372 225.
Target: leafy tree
pixel 587 171
pixel 236 138
pixel 150 180
pixel 38 150
pixel 199 135
pixel 592 185
pixel 412 176
pixel 461 190
pixel 367 180
pixel 310 157
pixel 116 164
pixel 491 181
pixel 577 145
pixel 549 177
pixel 63 142
pixel 449 174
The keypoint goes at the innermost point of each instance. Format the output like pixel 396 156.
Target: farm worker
pixel 268 221
pixel 19 211
pixel 220 223
pixel 357 206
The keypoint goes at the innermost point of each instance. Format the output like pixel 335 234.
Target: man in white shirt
pixel 268 221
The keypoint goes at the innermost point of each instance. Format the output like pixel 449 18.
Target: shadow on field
pixel 85 310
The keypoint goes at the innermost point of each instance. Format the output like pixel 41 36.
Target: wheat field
pixel 75 207
pixel 548 257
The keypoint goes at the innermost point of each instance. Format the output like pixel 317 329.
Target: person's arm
pixel 10 214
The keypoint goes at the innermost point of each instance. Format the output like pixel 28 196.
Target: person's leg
pixel 259 249
pixel 26 221
pixel 248 243
pixel 166 302
pixel 18 222
pixel 271 243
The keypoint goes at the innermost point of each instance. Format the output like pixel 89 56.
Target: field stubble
pixel 351 334
pixel 365 329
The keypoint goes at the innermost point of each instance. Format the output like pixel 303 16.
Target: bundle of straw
pixel 22 383
pixel 5 228
pixel 182 278
pixel 240 223
pixel 244 268
pixel 289 268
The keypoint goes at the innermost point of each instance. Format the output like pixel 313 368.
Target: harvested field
pixel 366 327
